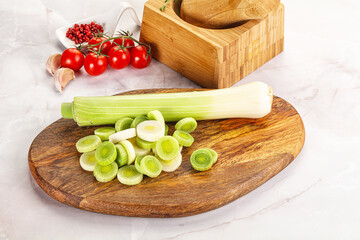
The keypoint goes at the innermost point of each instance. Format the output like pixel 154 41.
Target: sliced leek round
pixel 173 164
pixel 214 154
pixel 104 132
pixel 138 120
pixel 138 150
pixel 137 163
pixel 145 144
pixel 122 135
pixel 166 130
pixel 122 156
pixel 150 166
pixel 201 159
pixel 88 161
pixel 123 123
pixel 154 150
pixel 188 124
pixel 129 150
pixel 167 147
pixel 150 130
pixel 105 173
pixel 156 115
pixel 128 175
pixel 106 153
pixel 88 143
pixel 183 138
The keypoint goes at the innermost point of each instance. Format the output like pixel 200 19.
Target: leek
pixel 251 100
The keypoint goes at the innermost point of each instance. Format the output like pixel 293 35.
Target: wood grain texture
pixel 251 151
pixel 225 13
pixel 212 58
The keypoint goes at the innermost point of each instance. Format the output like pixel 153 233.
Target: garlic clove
pixel 62 77
pixel 53 63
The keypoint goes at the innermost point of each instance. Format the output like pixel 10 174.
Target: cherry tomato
pixel 139 57
pixel 105 47
pixel 94 64
pixel 127 42
pixel 118 58
pixel 72 58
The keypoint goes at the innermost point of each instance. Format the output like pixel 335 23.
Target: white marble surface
pixel 316 197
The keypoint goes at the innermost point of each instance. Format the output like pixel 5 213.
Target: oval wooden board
pixel 251 151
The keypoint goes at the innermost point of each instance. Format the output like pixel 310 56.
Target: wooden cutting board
pixel 251 151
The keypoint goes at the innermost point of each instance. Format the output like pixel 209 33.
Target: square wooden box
pixel 212 58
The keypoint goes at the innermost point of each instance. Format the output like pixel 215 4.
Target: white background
pixel 315 197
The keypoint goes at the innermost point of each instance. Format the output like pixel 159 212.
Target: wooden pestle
pixel 224 13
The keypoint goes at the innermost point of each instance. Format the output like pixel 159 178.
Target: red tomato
pixel 72 58
pixel 94 64
pixel 127 42
pixel 118 58
pixel 139 57
pixel 105 47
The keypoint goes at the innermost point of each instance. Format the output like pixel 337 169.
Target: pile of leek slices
pixel 140 146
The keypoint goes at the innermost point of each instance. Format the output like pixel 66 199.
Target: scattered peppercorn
pixel 84 32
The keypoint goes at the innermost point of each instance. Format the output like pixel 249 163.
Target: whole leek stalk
pixel 251 100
